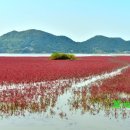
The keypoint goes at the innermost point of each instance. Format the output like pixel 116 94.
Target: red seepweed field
pixel 33 69
pixel 26 71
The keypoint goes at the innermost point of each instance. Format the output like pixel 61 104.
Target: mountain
pixel 36 41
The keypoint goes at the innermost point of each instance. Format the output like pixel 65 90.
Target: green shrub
pixel 62 56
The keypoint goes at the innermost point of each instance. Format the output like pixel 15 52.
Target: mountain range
pixel 36 41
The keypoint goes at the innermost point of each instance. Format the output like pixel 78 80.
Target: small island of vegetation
pixel 62 56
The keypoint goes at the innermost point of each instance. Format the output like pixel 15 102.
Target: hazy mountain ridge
pixel 36 41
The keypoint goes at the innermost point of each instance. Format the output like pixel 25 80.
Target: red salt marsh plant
pixel 41 98
pixel 26 70
pixel 118 84
pixel 102 97
pixel 92 101
pixel 32 99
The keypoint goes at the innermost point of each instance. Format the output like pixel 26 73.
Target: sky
pixel 77 19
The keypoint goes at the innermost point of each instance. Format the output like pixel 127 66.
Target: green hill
pixel 36 41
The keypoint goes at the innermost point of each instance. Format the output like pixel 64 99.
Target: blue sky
pixel 77 19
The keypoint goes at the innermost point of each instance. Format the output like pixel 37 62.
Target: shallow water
pixel 47 54
pixel 74 119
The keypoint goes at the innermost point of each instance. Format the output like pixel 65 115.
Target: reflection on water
pixel 57 104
